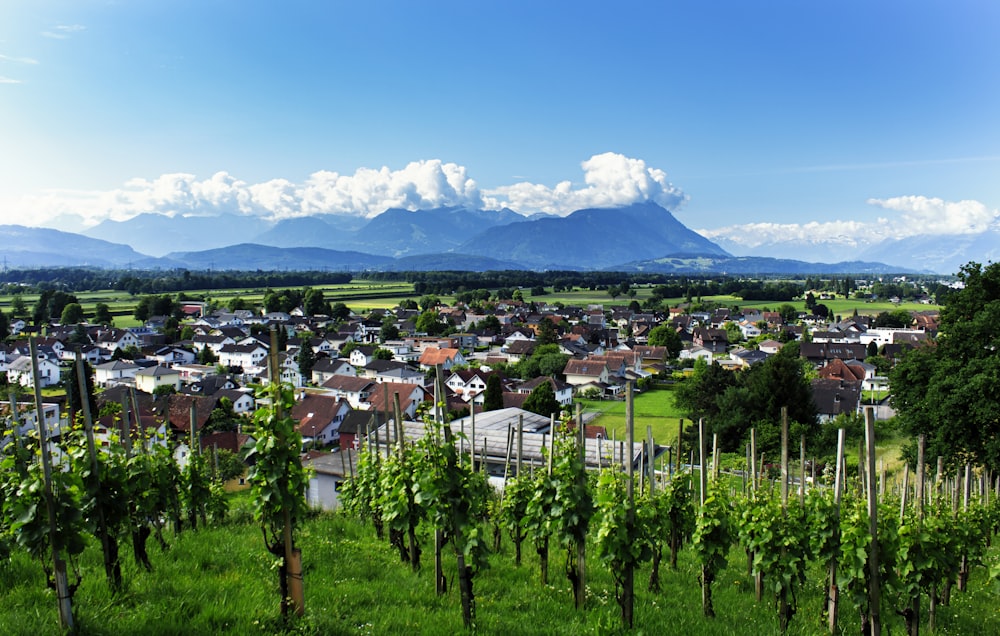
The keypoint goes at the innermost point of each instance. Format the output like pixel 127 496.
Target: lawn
pixel 653 408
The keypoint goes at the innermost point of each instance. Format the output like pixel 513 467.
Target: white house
pixel 19 371
pixel 245 356
pixel 329 470
pixel 115 372
pixel 150 379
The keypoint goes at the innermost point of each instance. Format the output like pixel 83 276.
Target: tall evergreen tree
pixel 493 395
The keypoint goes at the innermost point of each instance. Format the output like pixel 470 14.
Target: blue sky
pixel 857 118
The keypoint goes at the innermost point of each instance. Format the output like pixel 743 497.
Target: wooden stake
pixel 63 597
pixel 833 595
pixel 875 588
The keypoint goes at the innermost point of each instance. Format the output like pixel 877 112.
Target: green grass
pixel 222 581
pixel 653 408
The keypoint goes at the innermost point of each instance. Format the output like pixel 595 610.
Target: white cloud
pixel 9 80
pixel 368 192
pixel 914 215
pixel 17 60
pixel 611 180
pixel 63 31
pixel 923 215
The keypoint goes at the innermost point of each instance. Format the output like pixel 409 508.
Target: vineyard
pixel 426 545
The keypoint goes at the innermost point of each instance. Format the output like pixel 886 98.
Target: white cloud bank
pixel 913 215
pixel 609 180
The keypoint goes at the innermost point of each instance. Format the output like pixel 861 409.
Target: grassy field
pixel 654 408
pixel 222 581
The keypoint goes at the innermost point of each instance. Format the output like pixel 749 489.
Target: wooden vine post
pixel 706 576
pixel 784 609
pixel 875 587
pixel 63 597
pixel 628 580
pixel 580 589
pixel 293 556
pixel 109 545
pixel 833 594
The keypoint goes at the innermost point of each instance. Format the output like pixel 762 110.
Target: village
pixel 348 373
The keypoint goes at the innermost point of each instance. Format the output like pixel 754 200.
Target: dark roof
pixel 833 397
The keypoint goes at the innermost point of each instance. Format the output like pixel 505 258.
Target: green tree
pixel 306 359
pixel 493 395
pixel 315 303
pixel 18 309
pixel 222 417
pixel 429 322
pixel 102 314
pixel 666 336
pixel 382 354
pixel 542 400
pixel 948 390
pixel 207 356
pixel 789 313
pixel 546 332
pixel 389 330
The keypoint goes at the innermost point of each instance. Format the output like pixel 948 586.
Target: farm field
pixel 220 580
pixel 363 296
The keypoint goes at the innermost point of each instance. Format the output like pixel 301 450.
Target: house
pixel 169 356
pixel 834 397
pixel 361 355
pixel 113 339
pixel 151 378
pixel 447 357
pixel 695 352
pixel 748 357
pixel 319 418
pixel 821 353
pixel 715 340
pixel 382 399
pixel 391 371
pixel 563 390
pixel 355 425
pixel 215 343
pixel 326 368
pixel 19 372
pixel 353 389
pixel 769 347
pixel 327 472
pixel 247 357
pixel 115 372
pixel 243 401
pixel 468 383
pixel 580 372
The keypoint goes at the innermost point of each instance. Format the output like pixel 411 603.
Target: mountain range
pixel 637 237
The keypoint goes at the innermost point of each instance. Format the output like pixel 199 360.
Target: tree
pixel 222 417
pixel 428 322
pixel 666 336
pixel 4 325
pixel 71 383
pixel 493 395
pixel 542 400
pixel 306 359
pixel 102 314
pixel 788 313
pixel 389 330
pixel 79 335
pixel 546 332
pixel 315 303
pixel 947 390
pixel 383 354
pixel 207 356
pixel 17 307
